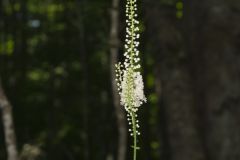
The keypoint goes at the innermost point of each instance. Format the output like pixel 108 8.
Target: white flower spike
pixel 129 79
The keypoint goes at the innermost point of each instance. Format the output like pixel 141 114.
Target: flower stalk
pixel 129 78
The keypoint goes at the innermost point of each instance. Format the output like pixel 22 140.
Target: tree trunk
pixel 79 22
pixel 114 49
pixel 174 77
pixel 85 80
pixel 214 42
pixel 7 119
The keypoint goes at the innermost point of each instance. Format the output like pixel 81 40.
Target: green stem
pixel 134 136
pixel 133 115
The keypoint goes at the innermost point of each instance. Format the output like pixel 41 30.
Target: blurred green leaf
pixel 179 5
pixel 38 75
pixel 153 98
pixel 150 80
pixel 154 145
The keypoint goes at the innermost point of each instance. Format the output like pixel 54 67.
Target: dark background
pixel 55 70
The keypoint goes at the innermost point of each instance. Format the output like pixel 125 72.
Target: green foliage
pixel 179 7
pixel 7 47
pixel 38 75
pixel 54 64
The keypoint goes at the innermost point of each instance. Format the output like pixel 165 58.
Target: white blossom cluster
pixel 129 79
pixel 131 91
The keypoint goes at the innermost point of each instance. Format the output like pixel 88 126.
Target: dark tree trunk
pixel 85 81
pixel 214 45
pixel 175 78
pixel 79 23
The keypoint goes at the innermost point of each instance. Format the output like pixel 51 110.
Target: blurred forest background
pixel 56 70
